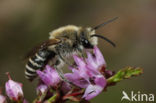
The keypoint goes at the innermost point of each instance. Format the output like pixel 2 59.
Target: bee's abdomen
pixel 37 62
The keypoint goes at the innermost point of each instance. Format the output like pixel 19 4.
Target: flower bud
pixel 13 89
pixel 2 99
pixel 41 89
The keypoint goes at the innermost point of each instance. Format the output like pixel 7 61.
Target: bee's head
pixel 85 38
pixel 88 37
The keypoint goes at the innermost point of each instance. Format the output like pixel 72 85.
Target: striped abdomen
pixel 38 61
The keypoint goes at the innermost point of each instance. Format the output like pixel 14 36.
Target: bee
pixel 62 43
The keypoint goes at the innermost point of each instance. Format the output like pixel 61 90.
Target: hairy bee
pixel 63 42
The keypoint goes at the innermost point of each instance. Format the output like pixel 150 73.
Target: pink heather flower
pixel 41 89
pixel 2 99
pixel 13 89
pixel 87 74
pixel 49 76
pixel 97 61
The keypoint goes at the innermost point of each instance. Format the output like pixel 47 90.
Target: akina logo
pixel 137 96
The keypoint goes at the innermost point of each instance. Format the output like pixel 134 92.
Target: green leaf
pixel 53 98
pixel 125 73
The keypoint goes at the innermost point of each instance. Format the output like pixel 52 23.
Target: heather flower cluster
pixel 87 80
pixel 87 75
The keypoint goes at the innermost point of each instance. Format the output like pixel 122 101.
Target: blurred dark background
pixel 25 23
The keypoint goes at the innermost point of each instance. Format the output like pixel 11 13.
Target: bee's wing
pixel 42 45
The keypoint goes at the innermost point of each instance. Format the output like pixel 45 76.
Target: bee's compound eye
pixel 86 43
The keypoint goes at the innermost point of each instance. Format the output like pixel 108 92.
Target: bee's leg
pixel 61 74
pixel 64 60
pixel 58 68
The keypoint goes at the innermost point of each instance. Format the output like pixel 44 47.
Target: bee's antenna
pixel 107 22
pixel 100 36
